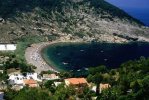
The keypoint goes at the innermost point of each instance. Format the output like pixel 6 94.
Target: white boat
pixel 78 70
pixel 65 63
pixel 81 50
pixel 86 68
pixel 101 51
pixel 105 59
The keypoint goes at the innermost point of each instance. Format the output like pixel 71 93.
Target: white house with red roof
pixel 17 79
pixel 75 81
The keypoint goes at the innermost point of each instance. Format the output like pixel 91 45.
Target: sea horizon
pixel 136 9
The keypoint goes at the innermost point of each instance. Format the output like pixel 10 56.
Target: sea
pixel 78 57
pixel 138 9
pixel 81 56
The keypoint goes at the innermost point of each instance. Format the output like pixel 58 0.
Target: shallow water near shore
pixel 81 56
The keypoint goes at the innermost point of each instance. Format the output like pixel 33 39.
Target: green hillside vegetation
pixel 9 60
pixel 129 82
pixel 16 7
pixel 88 19
pixel 33 21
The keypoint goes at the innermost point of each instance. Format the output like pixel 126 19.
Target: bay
pixel 80 56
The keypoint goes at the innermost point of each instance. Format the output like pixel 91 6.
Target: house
pixel 1 95
pixel 93 88
pixel 34 76
pixel 8 47
pixel 1 71
pixel 30 83
pixel 50 76
pixel 17 79
pixel 103 86
pixel 57 83
pixel 76 81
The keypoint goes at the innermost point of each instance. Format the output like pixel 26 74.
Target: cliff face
pixel 68 20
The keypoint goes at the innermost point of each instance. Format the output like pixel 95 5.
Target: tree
pixel 95 75
pixel 87 94
pixel 10 94
pixel 144 91
pixel 97 79
pixel 32 94
pixel 64 93
pixel 49 85
pixel 65 74
pixel 99 69
pixel 112 93
pixel 135 85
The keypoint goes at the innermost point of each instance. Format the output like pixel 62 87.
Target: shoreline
pixel 33 55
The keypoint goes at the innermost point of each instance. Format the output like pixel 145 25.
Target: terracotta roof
pixel 33 85
pixel 76 81
pixel 29 81
pixel 104 86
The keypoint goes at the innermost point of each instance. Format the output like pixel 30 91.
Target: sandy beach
pixel 33 54
pixel 33 57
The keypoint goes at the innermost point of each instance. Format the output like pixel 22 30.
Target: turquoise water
pixel 80 56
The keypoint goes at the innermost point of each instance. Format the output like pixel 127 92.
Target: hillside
pixel 68 20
